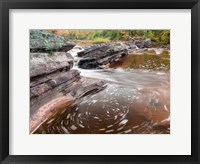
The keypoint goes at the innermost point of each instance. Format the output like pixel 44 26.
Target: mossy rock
pixel 43 41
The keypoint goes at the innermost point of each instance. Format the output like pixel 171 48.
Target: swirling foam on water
pixel 117 109
pixel 135 101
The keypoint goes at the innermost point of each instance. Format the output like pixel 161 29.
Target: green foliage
pixel 150 34
pixel 158 37
pixel 165 37
pixel 108 34
pixel 100 40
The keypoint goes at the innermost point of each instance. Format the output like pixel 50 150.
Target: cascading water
pixel 134 101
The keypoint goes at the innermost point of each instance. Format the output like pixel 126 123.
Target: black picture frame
pixel 5 5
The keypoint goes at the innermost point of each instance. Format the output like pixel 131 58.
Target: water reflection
pixel 153 62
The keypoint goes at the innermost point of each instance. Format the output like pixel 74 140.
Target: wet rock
pixel 104 66
pixel 46 110
pixel 96 56
pixel 87 86
pixel 52 78
pixel 46 88
pixel 88 63
pixel 147 43
pixel 143 43
pixel 130 45
pixel 139 44
pixel 44 84
pixel 53 83
pixel 44 41
pixel 88 49
pixel 69 57
pixel 57 93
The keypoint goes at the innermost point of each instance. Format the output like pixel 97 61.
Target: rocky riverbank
pixel 53 83
pixel 57 85
pixel 109 54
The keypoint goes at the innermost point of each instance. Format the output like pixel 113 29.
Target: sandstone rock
pixel 51 79
pixel 53 84
pixel 46 88
pixel 45 111
pixel 47 102
pixel 86 86
pixel 42 85
pixel 44 63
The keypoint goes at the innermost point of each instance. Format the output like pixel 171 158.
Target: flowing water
pixel 135 101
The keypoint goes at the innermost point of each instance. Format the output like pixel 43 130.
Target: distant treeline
pixel 158 37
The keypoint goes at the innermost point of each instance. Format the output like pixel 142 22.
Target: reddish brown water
pixel 150 62
pixel 134 102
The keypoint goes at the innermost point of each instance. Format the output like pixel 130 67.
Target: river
pixel 134 101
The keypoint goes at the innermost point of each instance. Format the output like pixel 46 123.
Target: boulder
pixel 130 45
pixel 88 63
pixel 88 49
pixel 147 43
pixel 96 56
pixel 139 44
pixel 44 41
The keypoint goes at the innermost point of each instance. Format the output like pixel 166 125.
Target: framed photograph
pixel 99 81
